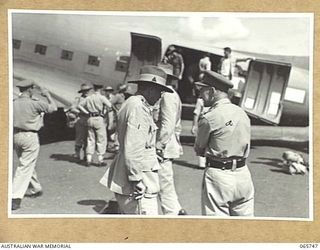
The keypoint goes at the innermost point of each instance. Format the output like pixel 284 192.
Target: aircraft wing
pixel 62 86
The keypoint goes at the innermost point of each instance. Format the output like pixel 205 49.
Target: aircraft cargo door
pixel 264 90
pixel 145 50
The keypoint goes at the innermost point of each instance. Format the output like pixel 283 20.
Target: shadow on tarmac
pixel 273 162
pixel 298 146
pixel 282 171
pixel 65 157
pixel 72 159
pixel 101 206
pixel 186 164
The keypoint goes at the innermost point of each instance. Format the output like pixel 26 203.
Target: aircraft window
pixel 16 43
pixel 94 60
pixel 124 58
pixel 40 49
pixel 66 55
pixel 122 63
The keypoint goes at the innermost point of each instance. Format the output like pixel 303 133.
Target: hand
pixel 194 130
pixel 139 190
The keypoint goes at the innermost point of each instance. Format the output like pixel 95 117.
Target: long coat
pixel 137 159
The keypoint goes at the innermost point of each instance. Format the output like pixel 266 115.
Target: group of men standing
pixel 94 114
pixel 148 133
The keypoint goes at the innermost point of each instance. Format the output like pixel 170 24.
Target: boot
pixel 182 212
pixel 77 150
pixel 89 160
pixel 101 162
pixel 84 155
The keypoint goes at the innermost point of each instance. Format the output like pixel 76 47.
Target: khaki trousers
pixel 227 193
pixel 97 136
pixel 81 128
pixel 27 148
pixel 168 197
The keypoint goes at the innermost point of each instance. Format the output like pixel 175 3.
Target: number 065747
pixel 309 245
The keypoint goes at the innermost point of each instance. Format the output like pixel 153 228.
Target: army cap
pixel 213 79
pixel 108 88
pixel 27 83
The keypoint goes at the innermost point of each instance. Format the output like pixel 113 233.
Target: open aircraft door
pixel 265 89
pixel 145 50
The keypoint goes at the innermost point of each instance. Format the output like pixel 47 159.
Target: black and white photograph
pixel 160 114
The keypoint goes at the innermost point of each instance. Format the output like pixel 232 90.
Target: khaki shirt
pixel 28 113
pixel 169 123
pixel 224 131
pixel 137 154
pixel 96 103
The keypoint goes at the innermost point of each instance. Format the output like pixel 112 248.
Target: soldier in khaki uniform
pixel 133 175
pixel 168 144
pixel 224 139
pixel 95 106
pixel 27 121
pixel 81 125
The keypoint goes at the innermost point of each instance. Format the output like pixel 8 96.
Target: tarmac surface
pixel 71 188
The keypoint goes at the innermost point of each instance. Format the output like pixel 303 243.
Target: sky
pixel 279 36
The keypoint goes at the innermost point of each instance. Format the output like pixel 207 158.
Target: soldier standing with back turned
pixel 224 139
pixel 95 106
pixel 81 125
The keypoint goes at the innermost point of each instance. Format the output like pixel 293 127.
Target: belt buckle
pixel 234 165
